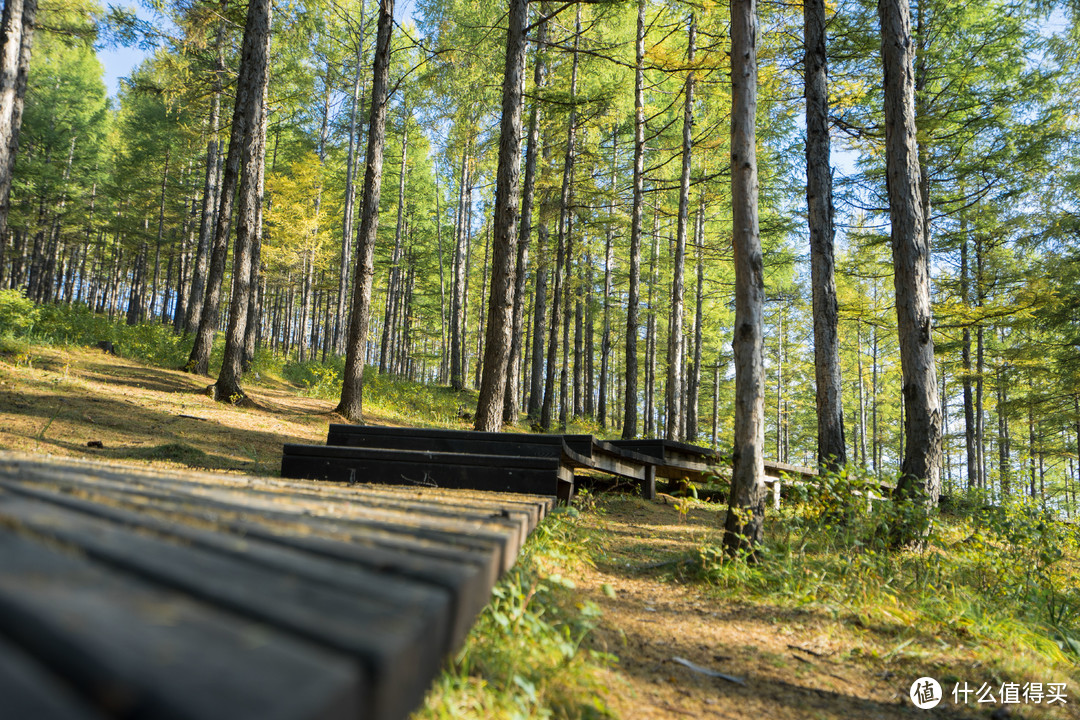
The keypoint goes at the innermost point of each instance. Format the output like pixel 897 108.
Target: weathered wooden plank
pixel 137 650
pixel 468 576
pixel 410 594
pixel 399 645
pixel 441 536
pixel 533 475
pixel 28 690
pixel 375 434
pixel 452 441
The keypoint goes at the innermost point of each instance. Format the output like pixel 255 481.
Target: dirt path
pixel 786 663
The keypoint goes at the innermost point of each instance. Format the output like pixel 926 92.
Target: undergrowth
pixel 524 657
pixel 997 580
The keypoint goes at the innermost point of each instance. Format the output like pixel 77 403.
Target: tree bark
pixel 249 112
pixel 744 525
pixel 630 400
pixel 349 213
pixel 16 42
pixel 352 397
pixel 694 376
pixel 609 262
pixel 457 302
pixel 512 401
pixel 210 190
pixel 394 281
pixel 501 301
pixel 920 470
pixel 830 410
pixel 675 390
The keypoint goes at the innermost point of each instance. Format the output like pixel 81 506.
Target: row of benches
pixel 504 462
pixel 151 593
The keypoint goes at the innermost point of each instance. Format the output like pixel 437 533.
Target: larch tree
pixel 16 41
pixel 249 111
pixel 351 405
pixel 744 525
pixel 489 407
pixel 630 399
pixel 831 452
pixel 920 477
pixel 675 365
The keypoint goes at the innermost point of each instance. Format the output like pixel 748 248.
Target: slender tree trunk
pixel 630 400
pixel 512 402
pixel 965 355
pixel 694 384
pixel 830 413
pixel 16 41
pixel 210 189
pixel 457 310
pixel 351 404
pixel 920 471
pixel 394 282
pixel 539 320
pixel 501 302
pixel 609 262
pixel 744 526
pixel 675 390
pixel 340 320
pixel 249 112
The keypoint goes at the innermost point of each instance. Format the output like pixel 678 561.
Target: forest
pixel 564 172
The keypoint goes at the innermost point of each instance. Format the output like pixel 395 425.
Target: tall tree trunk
pixel 980 416
pixel 457 309
pixel 512 401
pixel 830 410
pixel 16 41
pixel 693 388
pixel 351 404
pixel 534 408
pixel 249 112
pixel 675 391
pixel 252 331
pixel 965 355
pixel 744 526
pixel 630 400
pixel 609 261
pixel 920 470
pixel 349 213
pixel 211 188
pixel 394 282
pixel 501 302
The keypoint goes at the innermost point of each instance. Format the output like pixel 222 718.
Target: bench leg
pixel 565 489
pixel 776 495
pixel 648 485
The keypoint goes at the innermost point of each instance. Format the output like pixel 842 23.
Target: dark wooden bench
pixel 576 452
pixel 531 474
pixel 136 593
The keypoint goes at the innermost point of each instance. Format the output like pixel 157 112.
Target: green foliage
pixel 150 342
pixel 17 314
pixel 1001 573
pixel 524 657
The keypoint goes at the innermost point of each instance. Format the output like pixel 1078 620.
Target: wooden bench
pixel 130 592
pixel 575 452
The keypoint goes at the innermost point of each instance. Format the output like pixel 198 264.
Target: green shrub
pixel 18 315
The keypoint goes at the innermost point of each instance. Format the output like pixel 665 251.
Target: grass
pixel 524 657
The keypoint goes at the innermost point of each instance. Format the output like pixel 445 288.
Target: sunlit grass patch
pixel 524 657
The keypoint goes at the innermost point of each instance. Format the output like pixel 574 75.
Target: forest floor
pixel 786 661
